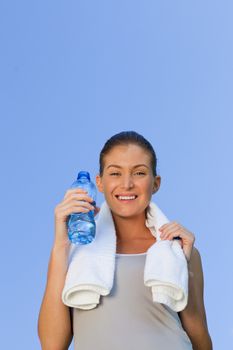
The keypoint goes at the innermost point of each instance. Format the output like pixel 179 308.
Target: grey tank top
pixel 127 318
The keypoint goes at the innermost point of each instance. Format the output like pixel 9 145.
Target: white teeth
pixel 126 197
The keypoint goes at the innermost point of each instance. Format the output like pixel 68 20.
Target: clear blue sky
pixel 72 74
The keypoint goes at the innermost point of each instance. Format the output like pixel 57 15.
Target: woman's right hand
pixel 76 200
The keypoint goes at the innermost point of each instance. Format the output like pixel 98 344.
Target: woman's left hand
pixel 174 229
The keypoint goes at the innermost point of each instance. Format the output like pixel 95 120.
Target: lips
pixel 126 197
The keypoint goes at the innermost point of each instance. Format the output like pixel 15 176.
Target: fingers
pixel 172 235
pixel 75 200
pixel 172 230
pixel 80 196
pixel 77 204
pixel 169 229
pixel 169 225
pixel 73 192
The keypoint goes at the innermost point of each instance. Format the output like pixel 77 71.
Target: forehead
pixel 127 155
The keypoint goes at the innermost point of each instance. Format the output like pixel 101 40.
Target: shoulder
pixel 195 254
pixel 195 258
pixel 195 266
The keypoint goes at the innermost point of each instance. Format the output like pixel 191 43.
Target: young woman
pixel 128 178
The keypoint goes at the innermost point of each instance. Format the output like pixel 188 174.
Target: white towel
pixel 91 267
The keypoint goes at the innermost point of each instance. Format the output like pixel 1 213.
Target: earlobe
pixel 156 184
pixel 99 183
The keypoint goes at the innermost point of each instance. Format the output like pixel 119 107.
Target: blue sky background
pixel 72 74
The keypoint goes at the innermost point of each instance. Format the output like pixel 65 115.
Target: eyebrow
pixel 135 166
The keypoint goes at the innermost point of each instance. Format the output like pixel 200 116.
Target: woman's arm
pixel 54 322
pixel 193 317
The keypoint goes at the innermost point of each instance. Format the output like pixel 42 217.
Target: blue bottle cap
pixel 83 174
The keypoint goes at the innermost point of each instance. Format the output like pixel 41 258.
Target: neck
pixel 133 228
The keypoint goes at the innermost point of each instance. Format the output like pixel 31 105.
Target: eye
pixel 140 173
pixel 114 174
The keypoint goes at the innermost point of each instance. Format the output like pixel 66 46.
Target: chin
pixel 127 213
pixel 128 210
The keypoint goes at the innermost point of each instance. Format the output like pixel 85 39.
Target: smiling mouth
pixel 126 198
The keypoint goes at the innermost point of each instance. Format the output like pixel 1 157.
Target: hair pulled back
pixel 127 138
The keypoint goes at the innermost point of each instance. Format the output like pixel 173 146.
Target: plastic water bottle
pixel 81 226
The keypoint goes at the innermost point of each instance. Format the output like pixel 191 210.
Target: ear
pixel 157 182
pixel 99 184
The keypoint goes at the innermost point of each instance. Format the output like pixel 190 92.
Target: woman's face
pixel 127 181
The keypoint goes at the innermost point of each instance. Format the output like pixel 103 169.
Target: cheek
pixel 148 190
pixel 148 186
pixel 108 187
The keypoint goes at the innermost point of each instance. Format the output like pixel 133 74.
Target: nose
pixel 127 182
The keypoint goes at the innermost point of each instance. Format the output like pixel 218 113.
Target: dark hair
pixel 126 138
